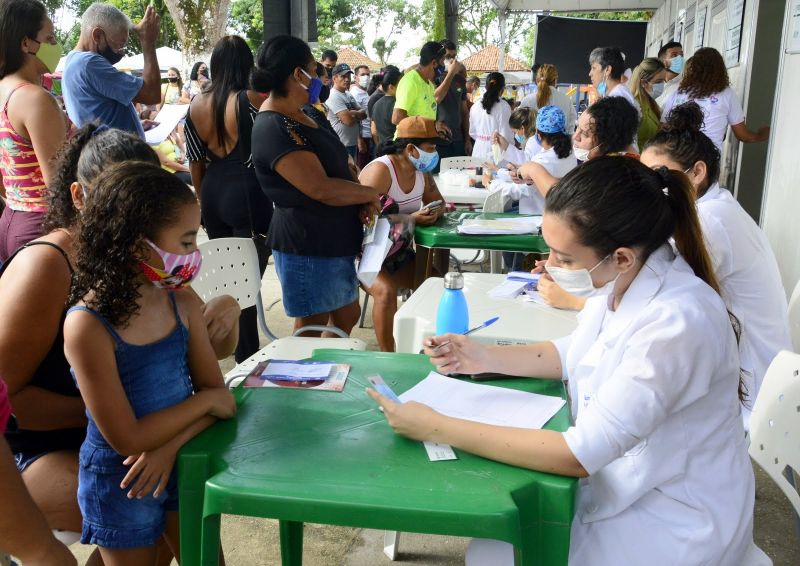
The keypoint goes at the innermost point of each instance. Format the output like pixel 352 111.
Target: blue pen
pixel 489 322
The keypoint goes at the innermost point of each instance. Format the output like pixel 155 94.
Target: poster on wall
pixel 793 41
pixel 734 39
pixel 701 27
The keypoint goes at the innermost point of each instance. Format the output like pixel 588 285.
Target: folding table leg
pixel 291 533
pixel 391 542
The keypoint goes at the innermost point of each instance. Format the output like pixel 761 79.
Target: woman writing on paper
pixel 653 375
pixel 402 172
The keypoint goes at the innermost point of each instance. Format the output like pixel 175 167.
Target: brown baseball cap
pixel 417 127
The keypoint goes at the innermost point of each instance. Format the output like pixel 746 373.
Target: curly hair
pixel 88 152
pixel 129 202
pixel 705 74
pixel 614 123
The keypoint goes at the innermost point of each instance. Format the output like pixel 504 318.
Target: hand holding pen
pixel 455 353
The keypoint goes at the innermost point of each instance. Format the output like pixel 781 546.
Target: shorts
pixel 17 228
pixel 314 285
pixel 25 459
pixel 110 519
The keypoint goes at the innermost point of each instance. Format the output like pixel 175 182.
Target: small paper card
pixel 322 376
pixel 438 452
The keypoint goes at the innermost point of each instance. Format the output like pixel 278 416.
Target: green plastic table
pixel 325 457
pixel 443 234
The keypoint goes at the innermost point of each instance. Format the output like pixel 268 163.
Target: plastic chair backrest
pixel 495 201
pixel 775 424
pixel 794 317
pixel 230 267
pixel 464 162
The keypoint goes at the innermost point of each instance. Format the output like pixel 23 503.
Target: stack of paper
pixel 324 376
pixel 484 403
pixel 507 226
pixel 515 284
pixel 376 246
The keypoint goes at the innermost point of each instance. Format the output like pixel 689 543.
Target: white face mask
pixel 582 154
pixel 363 81
pixel 578 282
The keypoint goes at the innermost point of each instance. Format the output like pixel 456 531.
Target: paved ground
pixel 254 542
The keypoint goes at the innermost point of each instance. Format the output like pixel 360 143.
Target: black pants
pixel 225 215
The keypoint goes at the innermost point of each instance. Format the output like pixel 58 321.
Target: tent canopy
pixel 575 5
pixel 167 57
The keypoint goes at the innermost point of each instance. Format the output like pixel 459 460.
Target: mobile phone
pixel 381 387
pixel 432 205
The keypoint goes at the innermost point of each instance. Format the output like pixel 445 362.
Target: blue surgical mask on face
pixel 601 88
pixel 426 162
pixel 676 64
pixel 519 138
pixel 313 89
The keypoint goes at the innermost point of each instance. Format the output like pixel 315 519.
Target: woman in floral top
pixel 32 126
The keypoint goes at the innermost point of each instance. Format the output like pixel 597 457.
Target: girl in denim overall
pixel 141 356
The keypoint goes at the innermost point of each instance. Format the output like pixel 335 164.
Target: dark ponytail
pixel 495 85
pixel 561 142
pixel 612 202
pixel 85 155
pixel 683 141
pixel 276 60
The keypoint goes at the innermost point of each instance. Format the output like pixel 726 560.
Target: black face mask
pixel 109 54
pixel 172 79
pixel 324 93
pixel 204 73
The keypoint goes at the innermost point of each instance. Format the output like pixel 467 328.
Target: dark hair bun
pixel 687 116
pixel 262 80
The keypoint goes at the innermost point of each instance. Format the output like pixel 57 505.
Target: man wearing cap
pixel 344 113
pixel 417 95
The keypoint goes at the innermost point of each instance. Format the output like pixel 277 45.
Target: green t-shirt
pixel 416 96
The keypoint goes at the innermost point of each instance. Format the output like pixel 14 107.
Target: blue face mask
pixel 601 88
pixel 676 64
pixel 520 139
pixel 426 162
pixel 313 89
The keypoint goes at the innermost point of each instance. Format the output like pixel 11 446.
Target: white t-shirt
pixel 362 98
pixel 719 110
pixel 557 98
pixel 750 282
pixel 623 91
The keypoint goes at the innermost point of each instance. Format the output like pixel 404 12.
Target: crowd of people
pixel 116 368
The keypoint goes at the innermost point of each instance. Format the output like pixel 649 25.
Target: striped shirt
pixel 22 175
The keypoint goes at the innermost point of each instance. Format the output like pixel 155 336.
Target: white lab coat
pixel 531 201
pixel 750 282
pixel 483 125
pixel 520 156
pixel 653 387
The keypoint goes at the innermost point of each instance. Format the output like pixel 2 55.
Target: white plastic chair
pixel 794 317
pixel 775 424
pixel 230 267
pixel 463 162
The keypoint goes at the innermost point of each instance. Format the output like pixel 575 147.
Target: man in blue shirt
pixel 93 88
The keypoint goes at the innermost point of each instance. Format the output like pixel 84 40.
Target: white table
pixel 521 322
pixel 459 194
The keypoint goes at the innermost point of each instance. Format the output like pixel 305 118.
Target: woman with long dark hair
pixel 198 79
pixel 32 126
pixel 319 205
pixel 653 375
pixel 489 116
pixel 218 134
pixel 744 262
pixel 705 81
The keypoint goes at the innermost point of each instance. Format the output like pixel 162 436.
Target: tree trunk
pixel 200 24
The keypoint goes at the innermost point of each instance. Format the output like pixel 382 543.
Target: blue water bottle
pixel 453 314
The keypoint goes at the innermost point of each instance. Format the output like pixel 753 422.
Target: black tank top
pixel 51 375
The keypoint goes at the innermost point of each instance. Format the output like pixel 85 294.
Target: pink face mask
pixel 179 269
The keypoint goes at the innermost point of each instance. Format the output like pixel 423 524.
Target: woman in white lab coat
pixel 488 116
pixel 653 375
pixel 742 257
pixel 524 146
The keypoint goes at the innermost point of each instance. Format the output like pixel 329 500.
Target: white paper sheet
pixel 167 119
pixel 508 289
pixel 484 403
pixel 297 369
pixel 521 225
pixel 374 253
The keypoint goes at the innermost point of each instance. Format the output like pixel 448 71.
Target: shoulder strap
pixel 245 128
pixel 37 243
pixel 13 90
pixel 101 318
